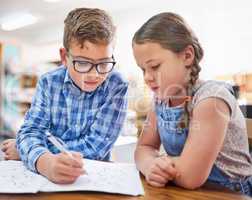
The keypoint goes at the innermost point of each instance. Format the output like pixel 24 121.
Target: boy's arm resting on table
pixel 102 134
pixel 31 141
pixel 204 142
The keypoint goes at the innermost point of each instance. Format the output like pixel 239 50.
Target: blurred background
pixel 31 33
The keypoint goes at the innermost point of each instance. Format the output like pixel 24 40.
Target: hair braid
pixel 185 120
pixel 173 33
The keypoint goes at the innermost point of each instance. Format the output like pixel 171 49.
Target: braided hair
pixel 171 32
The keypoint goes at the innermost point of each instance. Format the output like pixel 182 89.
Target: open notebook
pixel 108 177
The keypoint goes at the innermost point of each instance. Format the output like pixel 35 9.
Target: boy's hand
pixel 161 171
pixel 60 168
pixel 10 150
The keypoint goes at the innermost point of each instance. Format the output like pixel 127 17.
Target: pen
pixel 57 142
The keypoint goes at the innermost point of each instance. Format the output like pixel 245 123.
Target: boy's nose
pixel 93 72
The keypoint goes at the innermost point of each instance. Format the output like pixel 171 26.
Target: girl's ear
pixel 188 55
pixel 63 56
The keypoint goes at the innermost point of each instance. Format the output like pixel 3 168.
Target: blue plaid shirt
pixel 88 122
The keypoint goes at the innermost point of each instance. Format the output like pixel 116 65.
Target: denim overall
pixel 173 139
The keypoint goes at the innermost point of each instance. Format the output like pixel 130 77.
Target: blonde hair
pixel 88 24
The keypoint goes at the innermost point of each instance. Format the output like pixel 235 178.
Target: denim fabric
pixel 173 140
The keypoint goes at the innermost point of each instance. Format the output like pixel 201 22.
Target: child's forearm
pixel 42 163
pixel 144 155
pixel 189 179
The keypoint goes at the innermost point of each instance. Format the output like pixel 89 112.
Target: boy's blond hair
pixel 88 24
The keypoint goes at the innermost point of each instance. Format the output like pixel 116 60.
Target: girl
pixel 199 123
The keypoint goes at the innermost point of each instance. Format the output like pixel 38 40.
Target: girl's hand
pixel 61 168
pixel 161 171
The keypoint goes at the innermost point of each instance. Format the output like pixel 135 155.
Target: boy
pixel 83 102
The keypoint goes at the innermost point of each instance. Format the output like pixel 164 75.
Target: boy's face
pixel 79 60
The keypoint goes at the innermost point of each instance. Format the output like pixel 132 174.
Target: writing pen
pixel 59 144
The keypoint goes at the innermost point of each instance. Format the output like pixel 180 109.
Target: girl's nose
pixel 148 76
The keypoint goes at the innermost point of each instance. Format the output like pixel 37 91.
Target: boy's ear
pixel 188 55
pixel 63 56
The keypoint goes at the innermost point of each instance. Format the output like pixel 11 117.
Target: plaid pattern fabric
pixel 88 122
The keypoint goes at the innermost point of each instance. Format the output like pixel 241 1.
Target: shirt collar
pixel 70 86
pixel 67 78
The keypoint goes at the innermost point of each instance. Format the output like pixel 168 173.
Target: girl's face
pixel 164 72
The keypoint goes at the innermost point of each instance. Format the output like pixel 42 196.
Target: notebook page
pixel 103 177
pixel 15 178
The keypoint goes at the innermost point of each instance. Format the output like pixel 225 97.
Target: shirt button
pixel 237 187
pixel 107 138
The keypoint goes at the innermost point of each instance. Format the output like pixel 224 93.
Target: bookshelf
pixel 1 85
pixel 244 83
pixel 17 89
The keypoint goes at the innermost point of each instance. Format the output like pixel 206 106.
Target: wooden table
pixel 207 192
